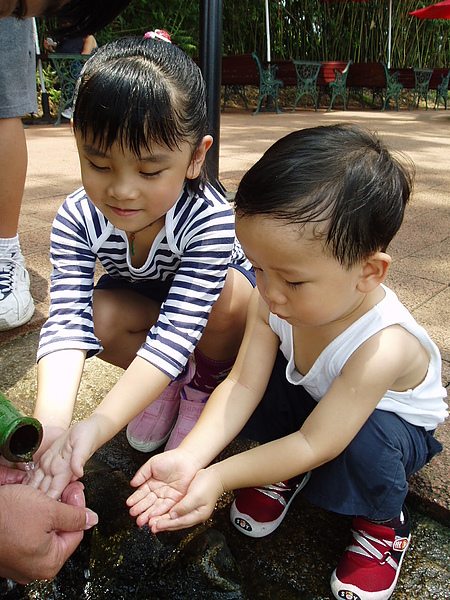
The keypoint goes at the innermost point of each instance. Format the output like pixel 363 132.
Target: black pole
pixel 210 61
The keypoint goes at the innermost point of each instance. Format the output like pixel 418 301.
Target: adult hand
pixel 37 533
pixel 9 475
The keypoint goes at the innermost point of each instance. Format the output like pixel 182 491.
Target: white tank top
pixel 423 406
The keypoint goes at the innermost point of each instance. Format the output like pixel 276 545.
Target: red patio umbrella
pixel 435 11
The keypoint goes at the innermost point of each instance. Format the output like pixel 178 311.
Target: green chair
pixel 307 73
pixel 339 85
pixel 68 68
pixel 237 90
pixel 421 83
pixel 393 87
pixel 442 91
pixel 268 84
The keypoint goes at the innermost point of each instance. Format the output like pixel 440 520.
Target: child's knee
pixel 230 310
pixel 106 315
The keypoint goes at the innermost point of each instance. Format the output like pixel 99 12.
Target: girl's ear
pixel 373 272
pixel 198 158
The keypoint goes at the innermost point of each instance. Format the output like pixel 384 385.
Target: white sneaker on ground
pixel 16 303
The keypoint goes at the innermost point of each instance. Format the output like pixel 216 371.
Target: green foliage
pixel 303 29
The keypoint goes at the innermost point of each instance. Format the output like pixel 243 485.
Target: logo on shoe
pixel 400 544
pixel 348 595
pixel 242 523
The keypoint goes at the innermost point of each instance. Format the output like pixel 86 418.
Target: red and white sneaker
pixel 151 428
pixel 258 511
pixel 370 565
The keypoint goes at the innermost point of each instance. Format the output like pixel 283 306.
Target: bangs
pixel 132 105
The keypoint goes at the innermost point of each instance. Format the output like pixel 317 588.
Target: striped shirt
pixel 191 253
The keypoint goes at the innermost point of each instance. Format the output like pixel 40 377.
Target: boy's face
pixel 298 280
pixel 29 8
pixel 134 192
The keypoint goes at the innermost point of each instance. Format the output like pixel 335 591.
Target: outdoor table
pixel 422 81
pixel 307 73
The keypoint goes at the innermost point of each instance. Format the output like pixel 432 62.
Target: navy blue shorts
pixel 156 290
pixel 369 478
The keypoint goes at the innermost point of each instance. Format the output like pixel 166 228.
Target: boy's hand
pixel 163 481
pixel 196 507
pixel 64 460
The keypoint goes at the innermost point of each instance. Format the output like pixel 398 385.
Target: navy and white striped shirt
pixel 192 251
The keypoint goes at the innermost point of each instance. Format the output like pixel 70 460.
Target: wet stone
pixel 214 561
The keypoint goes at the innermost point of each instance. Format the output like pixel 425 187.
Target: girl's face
pixel 298 280
pixel 135 192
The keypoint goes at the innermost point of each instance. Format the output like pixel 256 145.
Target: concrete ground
pixel 419 275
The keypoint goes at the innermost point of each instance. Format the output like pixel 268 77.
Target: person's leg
pixel 17 97
pixel 284 408
pixel 369 479
pixel 13 172
pixel 218 347
pixel 122 320
pixel 216 351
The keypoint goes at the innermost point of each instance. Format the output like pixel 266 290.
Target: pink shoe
pixel 151 428
pixel 191 407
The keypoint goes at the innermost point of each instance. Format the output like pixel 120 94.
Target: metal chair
pixel 421 83
pixel 68 68
pixel 339 85
pixel 393 86
pixel 307 73
pixel 268 84
pixel 442 91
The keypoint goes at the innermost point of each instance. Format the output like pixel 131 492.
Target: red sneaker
pixel 258 511
pixel 370 566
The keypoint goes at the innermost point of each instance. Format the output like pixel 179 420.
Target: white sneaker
pixel 16 303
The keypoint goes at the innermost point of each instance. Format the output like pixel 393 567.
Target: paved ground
pixel 419 275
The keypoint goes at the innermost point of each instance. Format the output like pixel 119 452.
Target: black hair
pixel 139 92
pixel 86 17
pixel 341 179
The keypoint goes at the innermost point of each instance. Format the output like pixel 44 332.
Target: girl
pixel 176 280
pixel 340 385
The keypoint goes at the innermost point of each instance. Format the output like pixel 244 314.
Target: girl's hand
pixel 51 434
pixel 64 460
pixel 196 507
pixel 163 481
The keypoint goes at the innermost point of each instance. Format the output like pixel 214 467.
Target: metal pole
pixel 268 31
pixel 390 34
pixel 210 61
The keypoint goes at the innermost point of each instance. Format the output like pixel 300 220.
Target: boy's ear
pixel 373 272
pixel 198 158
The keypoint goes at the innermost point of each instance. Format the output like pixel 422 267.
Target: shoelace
pixel 7 267
pixel 275 491
pixel 366 548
